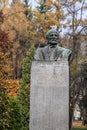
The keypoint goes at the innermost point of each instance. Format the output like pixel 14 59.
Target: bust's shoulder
pixel 63 49
pixel 65 52
pixel 39 49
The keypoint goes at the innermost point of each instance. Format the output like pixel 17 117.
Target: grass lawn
pixel 77 125
pixel 79 128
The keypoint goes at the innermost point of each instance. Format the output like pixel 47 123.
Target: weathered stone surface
pixel 49 96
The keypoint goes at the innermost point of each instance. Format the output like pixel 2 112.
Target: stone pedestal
pixel 49 96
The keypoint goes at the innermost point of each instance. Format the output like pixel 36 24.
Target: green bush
pixel 4 108
pixel 15 116
pixel 24 90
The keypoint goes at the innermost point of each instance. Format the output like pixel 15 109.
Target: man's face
pixel 53 38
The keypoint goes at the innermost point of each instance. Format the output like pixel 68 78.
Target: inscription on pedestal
pixel 49 96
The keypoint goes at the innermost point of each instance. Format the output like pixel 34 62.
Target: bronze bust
pixel 52 52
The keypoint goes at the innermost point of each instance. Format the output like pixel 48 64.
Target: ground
pixel 77 125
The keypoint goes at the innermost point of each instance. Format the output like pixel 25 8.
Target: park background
pixel 22 29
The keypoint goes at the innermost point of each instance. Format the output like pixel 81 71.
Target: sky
pixel 33 3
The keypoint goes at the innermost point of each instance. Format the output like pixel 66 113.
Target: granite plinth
pixel 49 96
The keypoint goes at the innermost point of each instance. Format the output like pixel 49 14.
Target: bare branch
pixel 81 11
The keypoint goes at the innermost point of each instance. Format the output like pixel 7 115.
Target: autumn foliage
pixel 4 41
pixel 12 87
